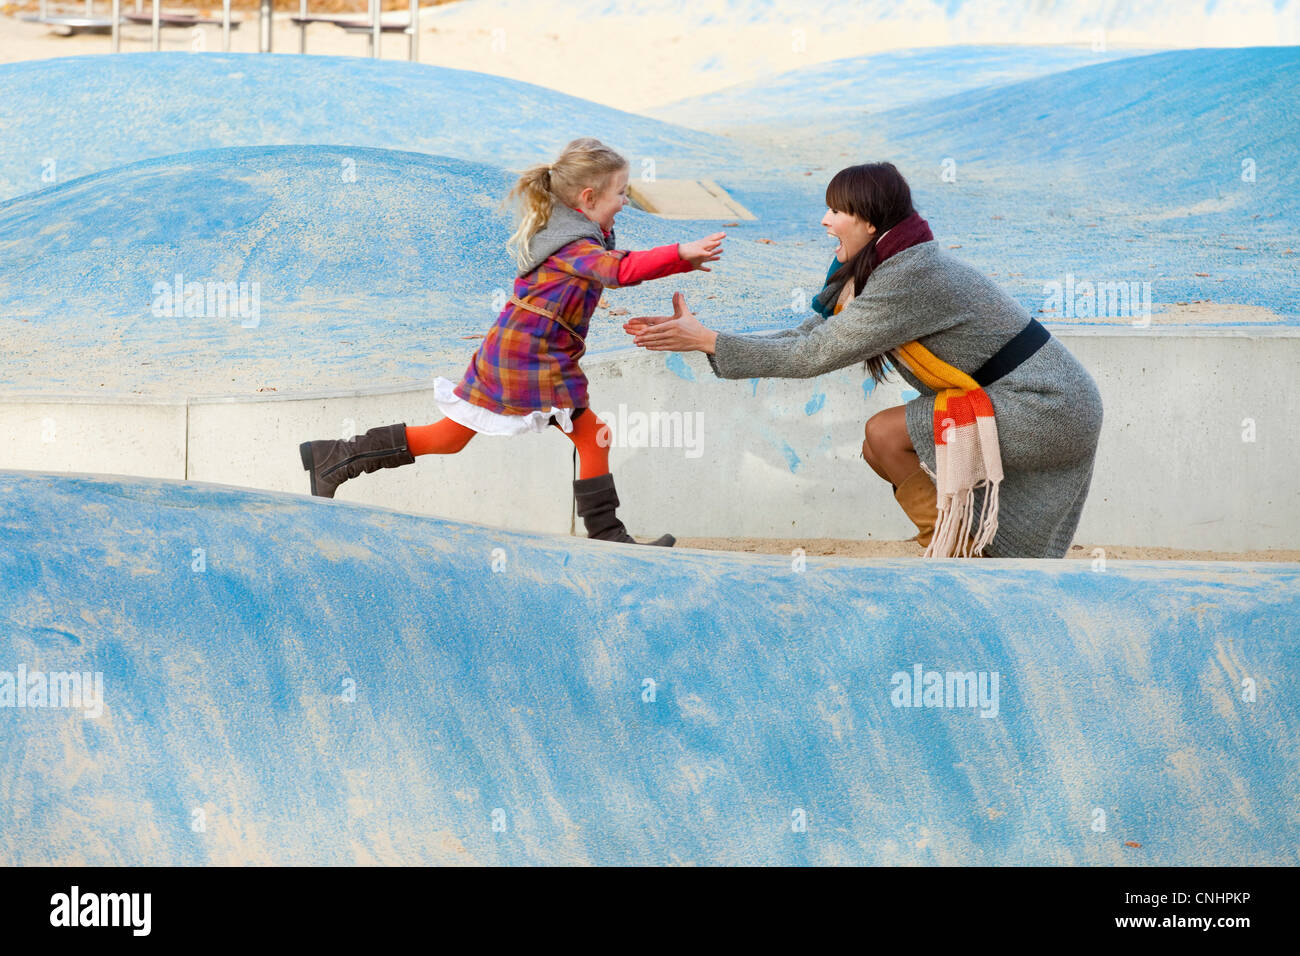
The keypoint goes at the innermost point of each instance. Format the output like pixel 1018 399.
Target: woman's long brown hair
pixel 878 194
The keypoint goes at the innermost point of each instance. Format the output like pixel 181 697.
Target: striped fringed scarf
pixel 966 455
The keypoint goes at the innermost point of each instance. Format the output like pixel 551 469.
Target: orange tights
pixel 444 437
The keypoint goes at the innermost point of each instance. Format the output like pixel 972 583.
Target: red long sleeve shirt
pixel 651 264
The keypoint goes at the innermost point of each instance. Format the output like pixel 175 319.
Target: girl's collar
pixel 606 232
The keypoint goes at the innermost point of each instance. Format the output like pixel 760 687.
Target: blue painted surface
pixel 342 246
pixel 676 363
pixel 815 404
pixel 1123 169
pixel 817 98
pixel 524 691
pixel 120 109
pixel 1119 113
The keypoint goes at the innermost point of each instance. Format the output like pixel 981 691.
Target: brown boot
pixel 597 500
pixel 917 496
pixel 330 463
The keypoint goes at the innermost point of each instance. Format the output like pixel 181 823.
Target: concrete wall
pixel 335 684
pixel 107 434
pixel 770 458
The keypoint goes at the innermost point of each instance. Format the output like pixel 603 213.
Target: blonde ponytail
pixel 585 162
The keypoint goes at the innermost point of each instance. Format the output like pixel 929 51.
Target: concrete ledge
pixel 94 433
pixel 769 458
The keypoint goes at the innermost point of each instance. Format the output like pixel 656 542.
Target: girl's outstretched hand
pixel 708 249
pixel 679 332
pixel 639 323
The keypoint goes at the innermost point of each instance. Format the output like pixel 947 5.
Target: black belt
pixel 1026 342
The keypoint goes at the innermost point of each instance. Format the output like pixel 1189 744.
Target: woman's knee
pixel 868 453
pixel 881 433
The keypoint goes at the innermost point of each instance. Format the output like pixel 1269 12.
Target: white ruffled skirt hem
pixel 487 422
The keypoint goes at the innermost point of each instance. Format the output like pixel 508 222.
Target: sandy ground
pixel 649 54
pixel 815 547
pixel 661 68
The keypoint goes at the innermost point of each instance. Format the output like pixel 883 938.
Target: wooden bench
pixel 178 20
pixel 350 24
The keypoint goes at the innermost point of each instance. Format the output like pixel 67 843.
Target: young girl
pixel 525 376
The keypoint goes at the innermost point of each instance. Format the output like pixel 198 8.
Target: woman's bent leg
pixel 443 437
pixel 892 454
pixel 870 456
pixel 888 450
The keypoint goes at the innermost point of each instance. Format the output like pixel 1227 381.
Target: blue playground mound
pixel 92 113
pixel 1175 168
pixel 1170 128
pixel 848 93
pixel 176 274
pixel 1127 171
pixel 309 266
pixel 286 680
pixel 325 231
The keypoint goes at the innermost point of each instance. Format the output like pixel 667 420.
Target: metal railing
pixel 264 33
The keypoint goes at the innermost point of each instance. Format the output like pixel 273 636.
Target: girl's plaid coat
pixel 528 360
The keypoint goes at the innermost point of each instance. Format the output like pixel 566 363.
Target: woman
pixel 995 455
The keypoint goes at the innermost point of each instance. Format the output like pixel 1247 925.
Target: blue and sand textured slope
pixel 354 266
pixel 118 109
pixel 234 169
pixel 292 681
pixel 850 91
pixel 1173 168
pixel 338 249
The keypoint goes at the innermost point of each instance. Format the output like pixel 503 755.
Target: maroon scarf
pixel 910 232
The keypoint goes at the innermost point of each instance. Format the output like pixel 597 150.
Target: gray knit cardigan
pixel 1048 410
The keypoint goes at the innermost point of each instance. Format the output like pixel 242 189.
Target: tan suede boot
pixel 917 496
pixel 919 500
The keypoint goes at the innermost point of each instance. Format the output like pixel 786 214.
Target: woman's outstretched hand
pixel 708 249
pixel 679 332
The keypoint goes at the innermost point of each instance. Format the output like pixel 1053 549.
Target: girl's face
pixel 852 232
pixel 603 208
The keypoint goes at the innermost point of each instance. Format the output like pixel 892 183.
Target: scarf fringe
pixel 953 535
